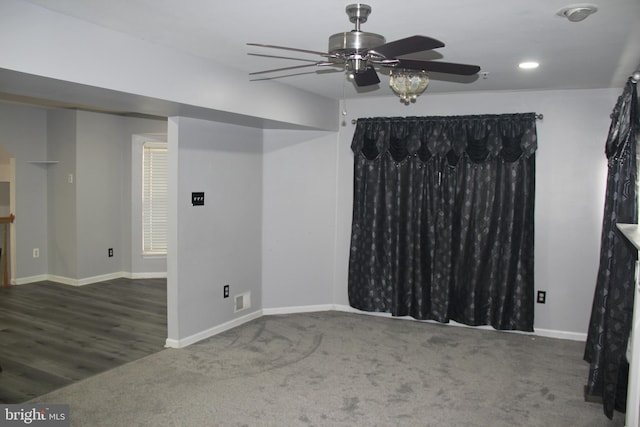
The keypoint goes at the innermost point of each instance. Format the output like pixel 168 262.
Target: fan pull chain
pixel 344 97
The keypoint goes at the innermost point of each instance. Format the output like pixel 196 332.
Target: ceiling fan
pixel 360 53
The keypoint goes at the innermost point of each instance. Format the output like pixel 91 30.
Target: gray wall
pixel 93 213
pixel 61 233
pixel 73 224
pixel 100 151
pixel 288 236
pixel 308 183
pixel 570 184
pixel 299 218
pixel 24 135
pixel 300 205
pixel 218 243
pixel 104 192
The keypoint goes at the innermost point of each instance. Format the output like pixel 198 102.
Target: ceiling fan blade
pixel 282 57
pixel 282 76
pixel 294 67
pixel 438 67
pixel 313 52
pixel 368 77
pixel 407 45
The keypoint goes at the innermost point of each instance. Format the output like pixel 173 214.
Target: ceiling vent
pixel 577 12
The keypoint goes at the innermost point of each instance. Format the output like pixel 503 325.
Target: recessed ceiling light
pixel 577 12
pixel 529 65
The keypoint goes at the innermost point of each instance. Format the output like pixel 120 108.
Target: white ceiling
pixel 600 52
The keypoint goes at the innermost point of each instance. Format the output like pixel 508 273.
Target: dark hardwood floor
pixel 52 335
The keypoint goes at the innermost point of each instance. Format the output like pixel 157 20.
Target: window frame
pixel 154 246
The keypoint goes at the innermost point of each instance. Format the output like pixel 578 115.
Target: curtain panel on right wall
pixel 443 218
pixel 612 310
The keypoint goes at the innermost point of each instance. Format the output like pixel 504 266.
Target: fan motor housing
pixel 353 42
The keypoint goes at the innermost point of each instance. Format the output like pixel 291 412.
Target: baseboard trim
pixel 298 309
pixel 152 275
pixel 89 280
pixel 184 342
pixel 564 335
pixel 31 279
pixel 548 333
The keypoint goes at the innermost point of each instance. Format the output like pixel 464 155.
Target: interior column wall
pixel 219 243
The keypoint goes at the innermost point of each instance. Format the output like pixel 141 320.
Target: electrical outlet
pixel 225 291
pixel 110 252
pixel 542 297
pixel 36 252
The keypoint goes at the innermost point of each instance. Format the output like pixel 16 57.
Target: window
pixel 154 198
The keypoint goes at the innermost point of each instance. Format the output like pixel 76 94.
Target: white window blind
pixel 154 198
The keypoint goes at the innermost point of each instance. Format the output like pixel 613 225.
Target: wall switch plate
pixel 110 252
pixel 542 297
pixel 197 199
pixel 225 291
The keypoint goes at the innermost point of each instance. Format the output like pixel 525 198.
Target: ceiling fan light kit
pixel 408 84
pixel 360 54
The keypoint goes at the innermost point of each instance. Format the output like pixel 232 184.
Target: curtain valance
pixel 480 137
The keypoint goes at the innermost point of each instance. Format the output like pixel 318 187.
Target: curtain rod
pixel 538 117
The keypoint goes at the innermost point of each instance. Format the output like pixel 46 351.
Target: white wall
pixel 218 243
pixel 299 185
pixel 570 181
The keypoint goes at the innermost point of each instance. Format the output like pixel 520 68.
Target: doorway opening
pixel 7 212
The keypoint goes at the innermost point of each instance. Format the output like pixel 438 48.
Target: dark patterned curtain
pixel 612 309
pixel 443 218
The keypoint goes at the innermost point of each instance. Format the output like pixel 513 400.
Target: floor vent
pixel 242 301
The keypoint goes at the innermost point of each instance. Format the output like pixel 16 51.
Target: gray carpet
pixel 343 369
